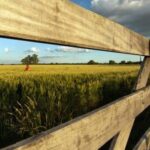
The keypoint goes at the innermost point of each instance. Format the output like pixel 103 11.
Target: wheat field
pixel 48 95
pixel 66 69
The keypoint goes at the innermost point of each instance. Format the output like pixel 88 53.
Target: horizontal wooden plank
pixel 62 22
pixel 92 130
pixel 144 143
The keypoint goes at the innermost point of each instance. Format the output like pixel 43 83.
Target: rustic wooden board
pixel 62 22
pixel 92 130
pixel 144 143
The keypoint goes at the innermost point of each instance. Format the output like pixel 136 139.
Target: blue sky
pixel 12 51
pixel 84 3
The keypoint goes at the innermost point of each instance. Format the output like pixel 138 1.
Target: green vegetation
pixel 92 62
pixel 112 62
pixel 33 101
pixel 30 59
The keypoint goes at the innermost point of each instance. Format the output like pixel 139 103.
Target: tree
pixel 112 62
pixel 30 59
pixel 34 59
pixel 26 60
pixel 129 62
pixel 123 62
pixel 92 62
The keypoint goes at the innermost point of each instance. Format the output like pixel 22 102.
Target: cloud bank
pixel 32 50
pixel 6 50
pixel 134 14
pixel 72 49
pixel 51 57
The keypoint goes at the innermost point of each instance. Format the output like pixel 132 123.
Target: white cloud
pixel 132 13
pixel 51 57
pixel 72 49
pixel 6 50
pixel 32 50
pixel 49 49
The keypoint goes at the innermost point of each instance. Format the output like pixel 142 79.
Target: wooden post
pixel 144 143
pixel 119 142
pixel 143 74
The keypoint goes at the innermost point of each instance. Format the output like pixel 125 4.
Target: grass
pixel 48 95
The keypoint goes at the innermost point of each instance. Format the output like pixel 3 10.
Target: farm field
pixel 66 69
pixel 48 95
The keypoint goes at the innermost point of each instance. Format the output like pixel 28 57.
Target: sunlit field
pixel 48 95
pixel 66 69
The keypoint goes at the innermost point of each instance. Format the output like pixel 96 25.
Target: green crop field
pixel 47 95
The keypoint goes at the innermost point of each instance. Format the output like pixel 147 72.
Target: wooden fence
pixel 62 22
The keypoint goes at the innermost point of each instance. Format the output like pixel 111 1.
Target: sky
pixel 131 13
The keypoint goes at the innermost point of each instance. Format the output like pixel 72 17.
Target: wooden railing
pixel 62 22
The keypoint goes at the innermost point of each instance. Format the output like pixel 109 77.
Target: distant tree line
pixel 33 59
pixel 112 62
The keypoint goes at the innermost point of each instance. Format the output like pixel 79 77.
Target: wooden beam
pixel 62 22
pixel 91 130
pixel 119 142
pixel 144 143
pixel 143 74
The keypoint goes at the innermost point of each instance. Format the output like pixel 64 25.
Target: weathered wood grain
pixel 143 74
pixel 92 130
pixel 62 22
pixel 120 140
pixel 144 143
